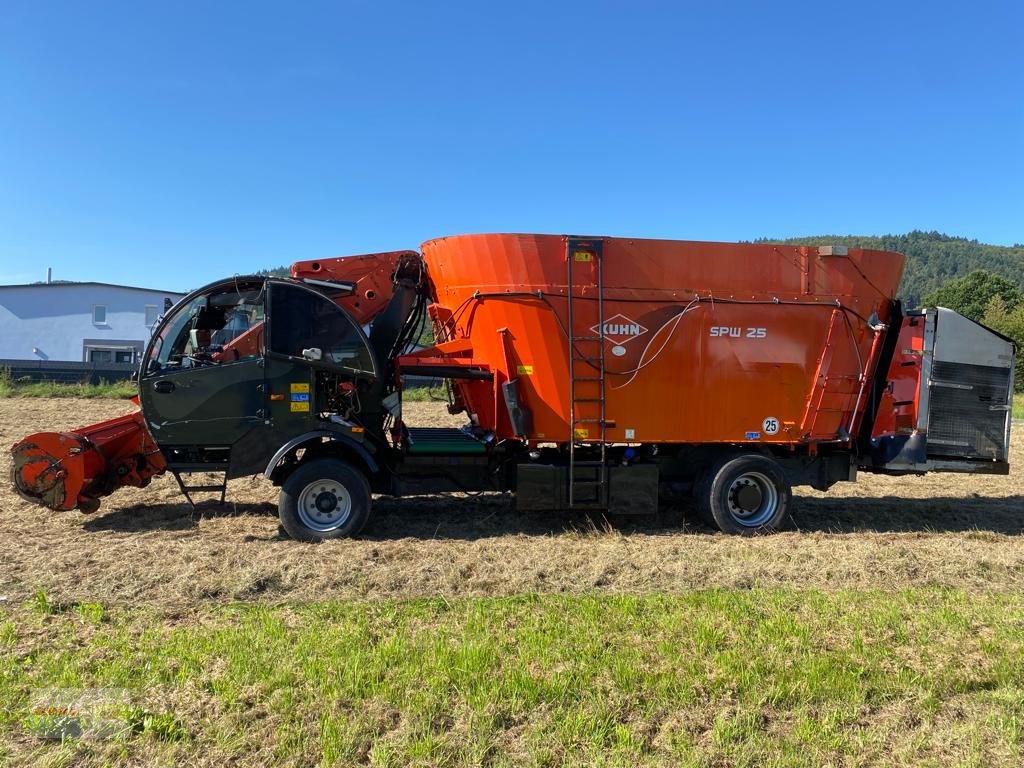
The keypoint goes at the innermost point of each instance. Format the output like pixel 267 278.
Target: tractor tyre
pixel 324 499
pixel 745 494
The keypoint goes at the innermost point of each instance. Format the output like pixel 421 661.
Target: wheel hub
pixel 748 498
pixel 324 505
pixel 753 499
pixel 325 502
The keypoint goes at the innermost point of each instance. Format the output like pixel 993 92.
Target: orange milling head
pixel 69 470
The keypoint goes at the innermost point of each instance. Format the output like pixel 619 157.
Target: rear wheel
pixel 745 494
pixel 324 499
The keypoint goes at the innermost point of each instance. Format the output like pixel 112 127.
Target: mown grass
pixel 425 394
pixel 721 677
pixel 10 387
pixel 1018 406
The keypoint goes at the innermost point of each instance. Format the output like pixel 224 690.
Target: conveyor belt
pixel 426 441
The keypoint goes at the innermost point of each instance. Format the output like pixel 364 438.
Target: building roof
pixel 59 283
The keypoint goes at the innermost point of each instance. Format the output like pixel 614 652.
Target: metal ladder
pixel 588 479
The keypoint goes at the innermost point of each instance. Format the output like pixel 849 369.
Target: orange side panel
pixel 897 411
pixel 373 275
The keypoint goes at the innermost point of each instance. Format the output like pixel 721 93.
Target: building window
pixel 119 354
pixel 99 314
pixel 151 315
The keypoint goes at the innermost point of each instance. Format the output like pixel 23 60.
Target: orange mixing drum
pixel 663 341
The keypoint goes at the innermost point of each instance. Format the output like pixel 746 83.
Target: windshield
pixel 221 326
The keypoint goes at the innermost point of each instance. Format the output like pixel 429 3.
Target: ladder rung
pixel 587 399
pixel 587 338
pixel 579 379
pixel 204 488
pixel 587 421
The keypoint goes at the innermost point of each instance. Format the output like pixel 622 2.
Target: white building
pixel 81 322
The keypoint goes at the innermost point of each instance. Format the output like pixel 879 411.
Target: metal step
pixel 179 469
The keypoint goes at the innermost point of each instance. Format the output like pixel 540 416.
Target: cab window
pixel 222 326
pixel 307 325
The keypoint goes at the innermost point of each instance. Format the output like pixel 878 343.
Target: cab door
pixel 202 380
pixel 310 341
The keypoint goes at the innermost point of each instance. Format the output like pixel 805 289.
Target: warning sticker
pixel 299 397
pixel 524 370
pixel 581 434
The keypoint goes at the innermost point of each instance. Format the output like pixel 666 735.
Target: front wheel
pixel 746 494
pixel 324 499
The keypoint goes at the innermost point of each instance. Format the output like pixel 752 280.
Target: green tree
pixel 972 294
pixel 1009 323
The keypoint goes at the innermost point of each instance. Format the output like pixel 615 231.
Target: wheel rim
pixel 324 505
pixel 753 499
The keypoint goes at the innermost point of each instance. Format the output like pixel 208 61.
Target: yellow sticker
pixel 582 255
pixel 299 406
pixel 300 387
pixel 581 434
pixel 524 370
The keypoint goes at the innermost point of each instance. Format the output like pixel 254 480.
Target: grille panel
pixel 961 421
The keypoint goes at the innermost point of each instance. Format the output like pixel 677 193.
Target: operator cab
pixel 226 322
pixel 240 367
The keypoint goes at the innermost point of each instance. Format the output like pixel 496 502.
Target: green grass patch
pixel 721 677
pixel 1018 406
pixel 10 387
pixel 425 394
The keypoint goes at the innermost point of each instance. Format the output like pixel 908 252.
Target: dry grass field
pixel 885 628
pixel 148 546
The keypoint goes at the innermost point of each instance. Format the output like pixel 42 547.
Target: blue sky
pixel 168 144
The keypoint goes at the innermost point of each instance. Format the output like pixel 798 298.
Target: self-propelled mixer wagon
pixel 592 371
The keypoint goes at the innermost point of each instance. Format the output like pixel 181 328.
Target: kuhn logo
pixel 619 329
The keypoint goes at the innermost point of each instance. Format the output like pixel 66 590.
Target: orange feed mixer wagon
pixel 593 371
